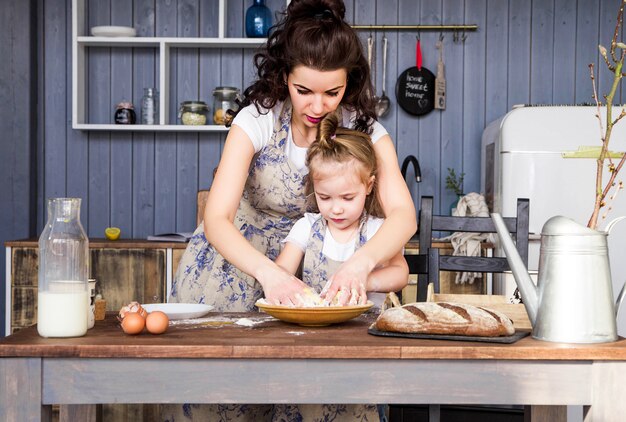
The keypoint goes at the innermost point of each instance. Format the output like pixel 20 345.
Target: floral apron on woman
pixel 272 201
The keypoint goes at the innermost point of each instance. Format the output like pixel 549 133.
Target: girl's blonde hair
pixel 341 145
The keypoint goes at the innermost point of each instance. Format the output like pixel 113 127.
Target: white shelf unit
pixel 80 43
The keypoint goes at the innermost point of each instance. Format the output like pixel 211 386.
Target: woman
pixel 313 65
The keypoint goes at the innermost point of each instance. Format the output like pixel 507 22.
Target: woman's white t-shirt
pixel 259 128
pixel 301 233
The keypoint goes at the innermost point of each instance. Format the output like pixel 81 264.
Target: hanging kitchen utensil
pixel 415 88
pixel 370 57
pixel 440 81
pixel 382 105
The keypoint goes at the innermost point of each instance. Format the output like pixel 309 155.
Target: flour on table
pixel 221 321
pixel 247 322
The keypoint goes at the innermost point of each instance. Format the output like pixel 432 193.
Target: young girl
pixel 342 187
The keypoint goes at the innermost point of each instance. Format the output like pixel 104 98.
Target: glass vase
pixel 258 20
pixel 454 204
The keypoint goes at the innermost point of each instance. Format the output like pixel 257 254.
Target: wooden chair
pixel 201 199
pixel 430 262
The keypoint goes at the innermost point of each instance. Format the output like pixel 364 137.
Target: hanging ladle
pixel 370 55
pixel 382 105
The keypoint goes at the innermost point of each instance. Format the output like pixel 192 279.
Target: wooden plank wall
pixel 18 126
pixel 523 52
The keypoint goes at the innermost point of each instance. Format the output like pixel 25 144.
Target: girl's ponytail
pixel 328 131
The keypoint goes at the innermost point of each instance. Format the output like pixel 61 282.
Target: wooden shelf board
pixel 182 42
pixel 150 128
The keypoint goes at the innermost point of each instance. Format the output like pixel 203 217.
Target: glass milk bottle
pixel 63 297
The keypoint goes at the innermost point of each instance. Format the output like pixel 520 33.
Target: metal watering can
pixel 573 299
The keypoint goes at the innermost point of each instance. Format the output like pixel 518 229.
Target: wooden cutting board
pixel 500 339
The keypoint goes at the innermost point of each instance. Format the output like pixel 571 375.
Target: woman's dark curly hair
pixel 312 33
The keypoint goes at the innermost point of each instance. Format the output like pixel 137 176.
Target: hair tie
pixel 333 136
pixel 323 15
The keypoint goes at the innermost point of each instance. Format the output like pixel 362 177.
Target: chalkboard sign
pixel 415 91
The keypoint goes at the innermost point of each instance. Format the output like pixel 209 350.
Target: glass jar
pixel 193 113
pixel 150 106
pixel 63 296
pixel 258 20
pixel 125 113
pixel 91 313
pixel 224 99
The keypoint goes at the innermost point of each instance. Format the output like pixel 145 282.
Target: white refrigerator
pixel 525 155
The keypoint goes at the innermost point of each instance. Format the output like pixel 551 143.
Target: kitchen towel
pixel 468 244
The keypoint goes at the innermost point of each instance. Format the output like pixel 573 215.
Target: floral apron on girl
pixel 317 267
pixel 272 201
pixel 316 270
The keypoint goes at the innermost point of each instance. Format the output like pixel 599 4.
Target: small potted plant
pixel 454 184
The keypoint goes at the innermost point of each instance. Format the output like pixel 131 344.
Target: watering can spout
pixel 524 282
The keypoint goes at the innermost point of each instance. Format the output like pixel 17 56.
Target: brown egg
pixel 157 322
pixel 132 307
pixel 133 323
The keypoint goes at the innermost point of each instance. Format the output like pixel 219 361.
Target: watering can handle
pixel 609 226
pixel 620 299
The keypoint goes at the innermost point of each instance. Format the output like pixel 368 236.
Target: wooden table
pixel 219 361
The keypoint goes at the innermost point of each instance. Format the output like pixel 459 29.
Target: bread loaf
pixel 445 318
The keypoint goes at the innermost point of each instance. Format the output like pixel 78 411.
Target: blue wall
pixel 18 127
pixel 523 52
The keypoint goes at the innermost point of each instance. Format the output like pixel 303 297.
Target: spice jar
pixel 193 112
pixel 223 99
pixel 91 312
pixel 125 113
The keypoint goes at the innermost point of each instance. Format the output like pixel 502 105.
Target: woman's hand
pixel 348 284
pixel 280 287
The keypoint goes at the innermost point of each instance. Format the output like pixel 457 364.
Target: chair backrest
pixel 429 262
pixel 201 198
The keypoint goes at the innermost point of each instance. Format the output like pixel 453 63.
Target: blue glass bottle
pixel 258 20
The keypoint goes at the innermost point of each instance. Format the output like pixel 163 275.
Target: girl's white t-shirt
pixel 301 232
pixel 259 128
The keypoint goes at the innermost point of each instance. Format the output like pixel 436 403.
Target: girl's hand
pixel 280 287
pixel 348 284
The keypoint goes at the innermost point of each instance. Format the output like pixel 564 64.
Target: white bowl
pixel 113 31
pixel 179 310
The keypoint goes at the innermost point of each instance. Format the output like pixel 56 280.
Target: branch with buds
pixel 615 65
